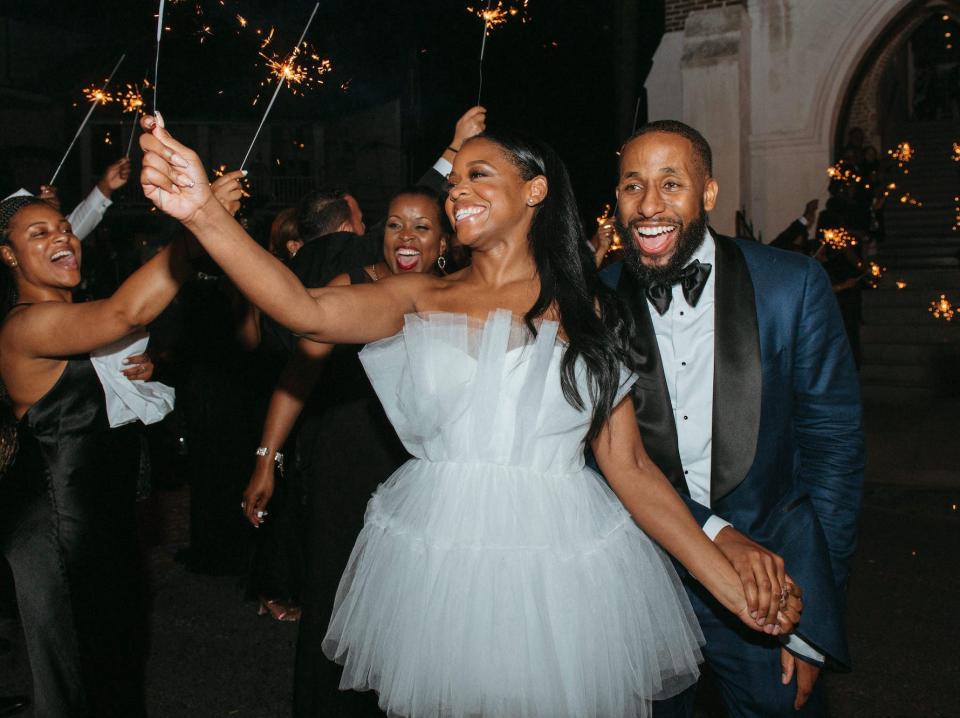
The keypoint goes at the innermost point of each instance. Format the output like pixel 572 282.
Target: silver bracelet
pixel 277 457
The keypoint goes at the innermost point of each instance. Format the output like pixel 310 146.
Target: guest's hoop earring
pixel 442 264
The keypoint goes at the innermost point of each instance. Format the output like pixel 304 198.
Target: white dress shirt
pixel 87 215
pixel 685 337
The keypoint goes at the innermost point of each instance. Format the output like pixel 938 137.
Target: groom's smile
pixel 663 189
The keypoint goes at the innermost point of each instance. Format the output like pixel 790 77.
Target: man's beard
pixel 690 240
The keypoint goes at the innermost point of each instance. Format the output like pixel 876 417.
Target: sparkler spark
pixel 605 217
pixel 902 154
pixel 97 95
pixel 495 16
pixel 901 284
pixel 842 173
pixel 942 308
pixel 875 272
pixel 912 201
pixel 131 99
pixel 956 152
pixel 837 238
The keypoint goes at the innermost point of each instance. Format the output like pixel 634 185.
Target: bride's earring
pixel 442 264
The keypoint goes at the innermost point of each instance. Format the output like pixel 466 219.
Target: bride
pixel 495 575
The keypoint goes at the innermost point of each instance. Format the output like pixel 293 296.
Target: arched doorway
pixel 911 72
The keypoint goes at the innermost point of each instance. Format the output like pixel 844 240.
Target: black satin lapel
pixel 737 373
pixel 650 395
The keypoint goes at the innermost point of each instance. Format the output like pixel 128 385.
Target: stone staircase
pixel 907 353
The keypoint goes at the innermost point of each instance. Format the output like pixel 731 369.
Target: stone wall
pixel 677 10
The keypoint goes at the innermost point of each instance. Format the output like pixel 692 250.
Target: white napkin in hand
pixel 127 401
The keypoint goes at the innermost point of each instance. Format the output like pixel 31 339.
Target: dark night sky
pixel 556 76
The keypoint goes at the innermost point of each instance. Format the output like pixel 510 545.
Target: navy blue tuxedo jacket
pixel 787 445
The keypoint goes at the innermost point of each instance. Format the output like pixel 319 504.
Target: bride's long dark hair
pixel 589 313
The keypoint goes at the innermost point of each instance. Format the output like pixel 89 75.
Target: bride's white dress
pixel 495 574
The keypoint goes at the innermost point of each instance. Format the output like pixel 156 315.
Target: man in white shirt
pixel 748 401
pixel 87 215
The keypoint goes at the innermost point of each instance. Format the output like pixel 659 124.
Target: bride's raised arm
pixel 174 179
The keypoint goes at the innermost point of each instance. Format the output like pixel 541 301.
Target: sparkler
pixel 956 152
pixel 605 217
pixel 494 16
pixel 942 308
pixel 837 238
pixel 132 101
pixel 902 154
pixel 901 284
pixel 875 272
pixel 156 60
pixel 842 173
pixel 83 124
pixel 286 75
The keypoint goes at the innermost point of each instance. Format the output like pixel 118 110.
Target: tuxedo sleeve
pixel 87 215
pixel 828 421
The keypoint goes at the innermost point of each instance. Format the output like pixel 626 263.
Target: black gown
pixel 345 448
pixel 69 534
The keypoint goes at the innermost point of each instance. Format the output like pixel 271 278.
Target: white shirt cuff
pixel 714 525
pixel 803 221
pixel 801 647
pixel 443 167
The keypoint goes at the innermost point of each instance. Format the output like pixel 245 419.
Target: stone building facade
pixel 771 84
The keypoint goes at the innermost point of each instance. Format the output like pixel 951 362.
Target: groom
pixel 748 401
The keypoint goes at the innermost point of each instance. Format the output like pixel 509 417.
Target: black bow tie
pixel 692 280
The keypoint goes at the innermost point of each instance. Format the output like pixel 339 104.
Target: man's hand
pixel 473 122
pixel 602 240
pixel 807 675
pixel 761 572
pixel 115 176
pixel 228 190
pixel 49 195
pixel 810 212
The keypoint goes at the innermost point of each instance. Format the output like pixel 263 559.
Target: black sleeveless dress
pixel 345 448
pixel 69 533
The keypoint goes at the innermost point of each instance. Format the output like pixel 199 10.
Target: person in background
pixel 796 236
pixel 344 448
pixel 87 215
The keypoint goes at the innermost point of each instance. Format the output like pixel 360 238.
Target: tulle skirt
pixel 479 590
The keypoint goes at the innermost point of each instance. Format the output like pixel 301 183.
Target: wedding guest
pixel 88 214
pixel 69 532
pixel 344 448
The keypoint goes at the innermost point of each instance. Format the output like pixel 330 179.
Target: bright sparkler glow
pixel 956 152
pixel 875 273
pixel 837 238
pixel 912 201
pixel 302 70
pixel 841 172
pixel 499 14
pixel 902 154
pixel 605 217
pixel 99 95
pixel 901 284
pixel 131 99
pixel 942 308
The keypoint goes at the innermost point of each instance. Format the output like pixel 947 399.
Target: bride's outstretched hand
pixel 173 178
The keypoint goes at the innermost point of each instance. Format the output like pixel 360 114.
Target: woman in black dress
pixel 344 448
pixel 69 529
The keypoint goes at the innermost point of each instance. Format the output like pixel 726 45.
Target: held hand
pixel 473 122
pixel 761 573
pixel 602 240
pixel 140 367
pixel 806 673
pixel 115 176
pixel 49 195
pixel 228 190
pixel 258 492
pixel 173 178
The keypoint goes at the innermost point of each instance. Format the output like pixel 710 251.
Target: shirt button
pixel 681 314
pixel 685 418
pixel 683 363
pixel 685 472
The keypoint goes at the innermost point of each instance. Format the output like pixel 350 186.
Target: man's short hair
pixel 701 148
pixel 322 212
